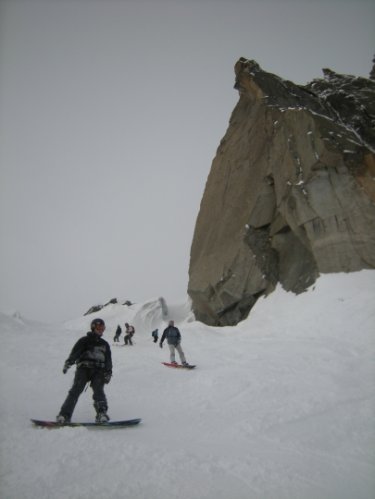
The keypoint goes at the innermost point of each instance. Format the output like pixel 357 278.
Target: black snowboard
pixel 108 425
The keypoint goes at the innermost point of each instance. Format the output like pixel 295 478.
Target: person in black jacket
pixel 155 335
pixel 93 357
pixel 173 337
pixel 117 334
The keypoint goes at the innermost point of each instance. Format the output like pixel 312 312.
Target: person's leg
pixel 172 353
pixel 181 354
pixel 80 380
pixel 100 400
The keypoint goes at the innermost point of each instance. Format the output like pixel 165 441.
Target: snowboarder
pixel 93 357
pixel 173 337
pixel 129 330
pixel 117 334
pixel 155 335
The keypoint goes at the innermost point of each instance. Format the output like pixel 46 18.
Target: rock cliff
pixel 290 194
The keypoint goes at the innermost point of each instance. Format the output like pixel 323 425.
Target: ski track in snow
pixel 280 407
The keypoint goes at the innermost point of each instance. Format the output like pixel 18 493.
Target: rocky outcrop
pixel 96 308
pixel 372 72
pixel 290 194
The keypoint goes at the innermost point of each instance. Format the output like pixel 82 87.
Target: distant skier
pixel 173 337
pixel 116 338
pixel 129 333
pixel 93 357
pixel 155 335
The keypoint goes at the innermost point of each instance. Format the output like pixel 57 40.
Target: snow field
pixel 281 406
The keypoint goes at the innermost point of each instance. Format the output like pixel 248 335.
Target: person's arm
pixel 74 354
pixel 108 359
pixel 163 338
pixel 108 365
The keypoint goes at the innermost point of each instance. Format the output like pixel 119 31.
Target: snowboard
pixel 178 366
pixel 110 424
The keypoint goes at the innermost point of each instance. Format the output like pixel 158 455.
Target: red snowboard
pixel 178 366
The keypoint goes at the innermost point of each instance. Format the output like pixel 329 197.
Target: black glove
pixel 66 367
pixel 161 345
pixel 107 377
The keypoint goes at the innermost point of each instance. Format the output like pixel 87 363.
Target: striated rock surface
pixel 290 194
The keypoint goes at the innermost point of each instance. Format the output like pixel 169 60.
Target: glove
pixel 161 345
pixel 107 377
pixel 66 367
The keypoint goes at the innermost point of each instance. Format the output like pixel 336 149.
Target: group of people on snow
pixel 93 358
pixel 128 335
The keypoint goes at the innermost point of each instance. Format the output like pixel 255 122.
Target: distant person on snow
pixel 93 357
pixel 173 337
pixel 116 338
pixel 129 333
pixel 155 335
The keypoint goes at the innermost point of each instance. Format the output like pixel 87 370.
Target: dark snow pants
pixel 82 376
pixel 128 339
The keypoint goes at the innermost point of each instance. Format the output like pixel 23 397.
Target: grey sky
pixel 110 116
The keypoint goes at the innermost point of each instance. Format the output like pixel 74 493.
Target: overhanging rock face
pixel 290 194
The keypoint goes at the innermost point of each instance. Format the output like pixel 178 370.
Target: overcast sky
pixel 110 116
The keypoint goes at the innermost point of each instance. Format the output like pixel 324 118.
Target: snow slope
pixel 280 407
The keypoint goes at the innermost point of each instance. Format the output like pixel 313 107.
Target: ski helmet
pixel 97 322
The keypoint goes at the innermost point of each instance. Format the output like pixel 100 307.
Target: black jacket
pixel 172 335
pixel 91 351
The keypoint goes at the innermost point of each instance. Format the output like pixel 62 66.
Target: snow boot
pixel 61 419
pixel 102 417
